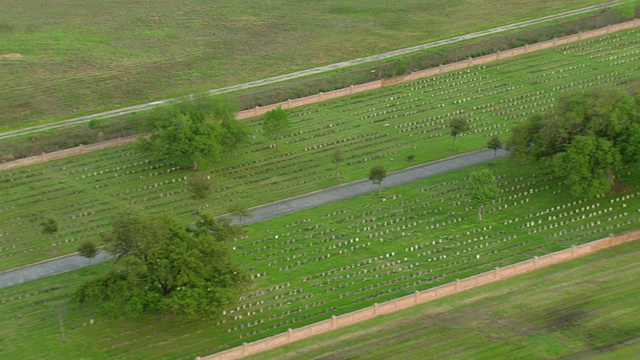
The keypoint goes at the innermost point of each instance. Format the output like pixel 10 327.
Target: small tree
pixel 458 126
pixel 275 124
pixel 494 144
pixel 484 189
pixel 377 174
pixel 336 157
pixel 49 226
pixel 239 209
pixel 88 249
pixel 199 185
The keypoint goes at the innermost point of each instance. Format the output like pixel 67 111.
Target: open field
pixel 334 259
pixel 583 309
pixel 384 126
pixel 60 59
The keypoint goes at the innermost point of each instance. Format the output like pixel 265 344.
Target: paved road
pixel 272 210
pixel 298 74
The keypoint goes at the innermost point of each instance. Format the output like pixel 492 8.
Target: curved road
pixel 298 74
pixel 72 262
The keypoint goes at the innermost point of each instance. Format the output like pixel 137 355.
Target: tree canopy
pixel 377 174
pixel 588 165
pixel 589 134
pixel 483 189
pixel 88 249
pixel 494 144
pixel 458 126
pixel 276 123
pixel 200 185
pixel 240 210
pixel 167 268
pixel 193 133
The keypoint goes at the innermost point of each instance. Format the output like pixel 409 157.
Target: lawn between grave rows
pixel 586 308
pixel 334 259
pixel 380 127
pixel 63 59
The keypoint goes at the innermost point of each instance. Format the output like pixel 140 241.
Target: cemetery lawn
pixel 63 59
pixel 585 308
pixel 385 126
pixel 345 256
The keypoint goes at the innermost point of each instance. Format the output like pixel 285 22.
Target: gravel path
pixel 298 74
pixel 260 213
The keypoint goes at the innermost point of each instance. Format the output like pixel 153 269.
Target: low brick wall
pixel 354 89
pixel 420 297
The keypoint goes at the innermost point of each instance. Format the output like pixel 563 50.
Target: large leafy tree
pixel 167 268
pixel 483 189
pixel 196 132
pixel 588 165
pixel 589 134
pixel 276 123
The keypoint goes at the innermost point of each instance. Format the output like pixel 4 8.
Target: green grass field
pixel 331 260
pixel 384 126
pixel 583 309
pixel 59 58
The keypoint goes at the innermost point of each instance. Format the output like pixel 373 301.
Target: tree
pixel 193 133
pixel 458 126
pixel 377 174
pixel 167 268
pixel 483 189
pixel 239 209
pixel 336 157
pixel 588 165
pixel 199 185
pixel 589 134
pixel 275 124
pixel 88 249
pixel 49 226
pixel 494 144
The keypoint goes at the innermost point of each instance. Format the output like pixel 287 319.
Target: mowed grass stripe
pixel 74 59
pixel 585 308
pixel 384 126
pixel 334 259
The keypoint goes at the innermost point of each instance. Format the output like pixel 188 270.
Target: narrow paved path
pixel 272 210
pixel 313 71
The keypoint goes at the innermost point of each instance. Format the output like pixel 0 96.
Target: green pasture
pixel 59 58
pixel 383 126
pixel 582 309
pixel 333 259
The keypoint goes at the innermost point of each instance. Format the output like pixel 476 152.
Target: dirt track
pixel 298 74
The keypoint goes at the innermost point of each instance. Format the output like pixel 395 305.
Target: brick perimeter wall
pixel 353 89
pixel 420 297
